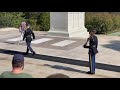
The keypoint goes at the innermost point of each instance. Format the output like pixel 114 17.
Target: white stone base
pixel 79 33
pixel 58 33
pixel 68 24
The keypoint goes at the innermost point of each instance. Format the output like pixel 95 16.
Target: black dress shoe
pixel 90 72
pixel 33 54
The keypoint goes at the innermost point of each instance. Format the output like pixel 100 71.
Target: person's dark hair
pixel 92 30
pixel 58 75
pixel 18 61
pixel 27 24
pixel 17 64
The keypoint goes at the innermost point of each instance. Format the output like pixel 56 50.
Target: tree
pixel 44 21
pixel 11 19
pixel 38 20
pixel 104 22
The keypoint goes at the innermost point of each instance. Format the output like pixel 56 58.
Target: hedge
pixel 40 21
pixel 104 22
pixel 11 19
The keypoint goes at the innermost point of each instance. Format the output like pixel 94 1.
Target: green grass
pixel 114 32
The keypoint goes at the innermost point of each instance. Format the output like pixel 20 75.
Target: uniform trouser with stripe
pixel 92 62
pixel 29 47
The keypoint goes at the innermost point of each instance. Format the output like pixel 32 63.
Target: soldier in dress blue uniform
pixel 93 44
pixel 28 36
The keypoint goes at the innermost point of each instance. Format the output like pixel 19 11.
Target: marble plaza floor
pixel 61 55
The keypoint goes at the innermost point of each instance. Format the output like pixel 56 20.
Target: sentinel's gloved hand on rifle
pixel 85 45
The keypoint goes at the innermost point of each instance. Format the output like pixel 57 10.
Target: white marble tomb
pixel 68 24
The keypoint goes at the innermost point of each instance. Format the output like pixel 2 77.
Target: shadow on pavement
pixel 64 68
pixel 64 60
pixel 115 45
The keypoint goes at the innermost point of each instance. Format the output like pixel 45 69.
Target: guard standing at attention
pixel 93 44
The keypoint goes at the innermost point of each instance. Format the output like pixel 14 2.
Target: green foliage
pixel 11 19
pixel 44 20
pixel 116 20
pixel 103 22
pixel 40 21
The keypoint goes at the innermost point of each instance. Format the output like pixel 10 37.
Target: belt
pixel 28 36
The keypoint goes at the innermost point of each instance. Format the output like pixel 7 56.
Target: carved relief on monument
pixel 75 20
pixel 70 20
pixel 81 20
pixel 69 24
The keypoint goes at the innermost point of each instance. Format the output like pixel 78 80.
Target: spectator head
pixel 58 75
pixel 27 25
pixel 18 61
pixel 92 32
pixel 23 25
